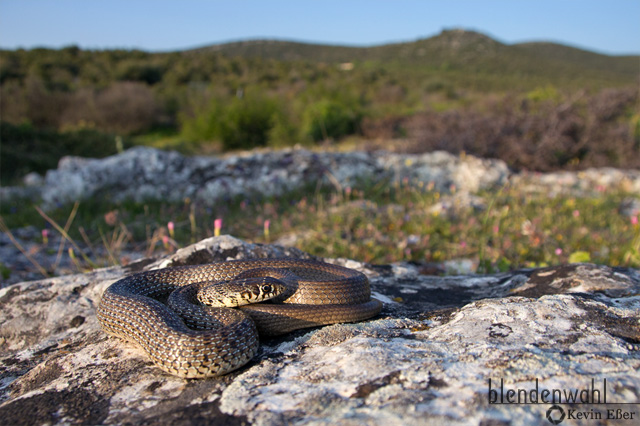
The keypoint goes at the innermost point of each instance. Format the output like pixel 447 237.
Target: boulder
pixel 444 350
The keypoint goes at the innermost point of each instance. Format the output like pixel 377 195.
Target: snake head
pixel 243 291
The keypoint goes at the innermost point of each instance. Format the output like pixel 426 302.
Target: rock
pixel 33 179
pixel 427 359
pixel 146 173
pixel 143 173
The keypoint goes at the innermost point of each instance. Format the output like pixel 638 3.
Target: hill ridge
pixel 451 48
pixel 454 38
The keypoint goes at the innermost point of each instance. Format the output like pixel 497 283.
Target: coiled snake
pixel 219 340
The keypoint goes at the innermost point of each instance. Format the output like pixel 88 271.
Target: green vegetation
pixel 274 93
pixel 537 106
pixel 376 223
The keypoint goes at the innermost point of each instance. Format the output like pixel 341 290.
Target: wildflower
pixel 45 236
pixel 217 225
pixel 634 220
pixel 266 228
pixel 558 251
pixel 111 218
pixel 165 242
pixel 463 245
pixel 170 227
pixel 527 228
pixel 496 229
pixel 576 213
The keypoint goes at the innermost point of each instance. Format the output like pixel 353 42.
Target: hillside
pixel 540 106
pixel 448 50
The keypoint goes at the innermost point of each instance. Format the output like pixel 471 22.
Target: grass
pixel 372 222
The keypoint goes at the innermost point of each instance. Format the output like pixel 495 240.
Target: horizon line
pixel 322 43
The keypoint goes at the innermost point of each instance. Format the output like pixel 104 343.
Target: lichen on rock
pixel 427 359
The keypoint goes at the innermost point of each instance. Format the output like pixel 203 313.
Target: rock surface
pixel 427 359
pixel 145 173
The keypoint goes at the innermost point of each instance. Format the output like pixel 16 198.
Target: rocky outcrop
pixel 146 173
pixel 427 359
pixel 143 173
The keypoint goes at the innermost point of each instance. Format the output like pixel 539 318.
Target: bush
pixel 246 123
pixel 241 123
pixel 283 132
pixel 126 107
pixel 575 133
pixel 328 119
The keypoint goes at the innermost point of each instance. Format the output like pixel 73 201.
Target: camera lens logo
pixel 555 414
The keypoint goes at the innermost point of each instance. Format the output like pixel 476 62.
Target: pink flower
pixel 576 213
pixel 45 236
pixel 217 225
pixel 267 223
pixel 634 220
pixel 111 218
pixel 171 227
pixel 558 251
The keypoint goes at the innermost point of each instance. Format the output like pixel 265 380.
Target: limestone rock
pixel 143 173
pixel 427 359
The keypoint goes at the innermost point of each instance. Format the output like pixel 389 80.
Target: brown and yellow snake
pixel 219 340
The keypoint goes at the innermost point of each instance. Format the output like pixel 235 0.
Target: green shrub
pixel 330 119
pixel 542 94
pixel 240 123
pixel 247 121
pixel 204 125
pixel 283 131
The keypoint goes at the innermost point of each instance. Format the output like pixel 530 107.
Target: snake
pixel 160 311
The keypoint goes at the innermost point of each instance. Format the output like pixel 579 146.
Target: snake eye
pixel 267 288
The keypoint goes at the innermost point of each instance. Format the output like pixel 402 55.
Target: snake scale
pixel 196 341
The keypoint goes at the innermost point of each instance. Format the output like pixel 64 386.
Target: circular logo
pixel 555 414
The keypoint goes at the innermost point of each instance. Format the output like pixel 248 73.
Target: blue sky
pixel 606 26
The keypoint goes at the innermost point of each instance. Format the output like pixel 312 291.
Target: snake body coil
pixel 219 340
